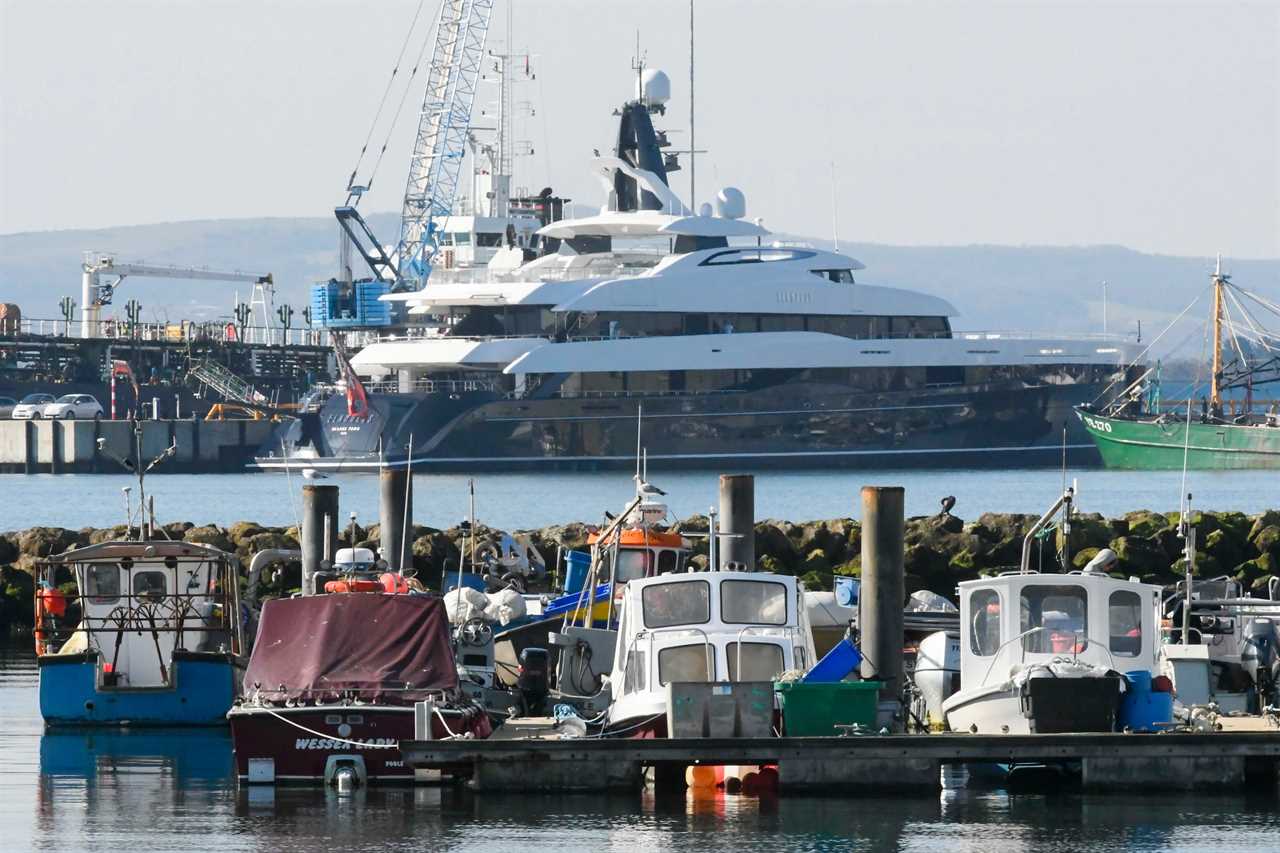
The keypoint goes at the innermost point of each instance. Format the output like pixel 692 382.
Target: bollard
pixel 882 597
pixel 319 523
pixel 737 521
pixel 396 506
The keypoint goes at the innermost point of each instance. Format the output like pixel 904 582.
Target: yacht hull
pixel 782 427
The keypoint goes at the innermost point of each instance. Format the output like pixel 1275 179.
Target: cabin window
pixel 687 663
pixel 488 240
pixel 1124 612
pixel 753 603
pixel 668 604
pixel 632 565
pixel 760 661
pixel 102 582
pixel 667 561
pixel 984 608
pixel 634 676
pixel 149 585
pixel 1057 617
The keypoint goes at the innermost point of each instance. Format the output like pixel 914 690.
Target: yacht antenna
pixel 693 198
pixel 1188 534
pixel 639 423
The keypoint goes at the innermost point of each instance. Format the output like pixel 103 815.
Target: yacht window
pixel 838 276
pixel 1124 612
pixel 782 323
pixel 756 256
pixel 753 603
pixel 760 661
pixel 102 582
pixel 1062 615
pixel 149 585
pixel 634 676
pixel 667 561
pixel 984 608
pixel 488 240
pixel 687 663
pixel 667 604
pixel 462 238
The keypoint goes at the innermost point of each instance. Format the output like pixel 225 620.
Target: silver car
pixel 72 406
pixel 31 407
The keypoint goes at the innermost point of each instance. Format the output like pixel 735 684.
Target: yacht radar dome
pixel 704 209
pixel 653 88
pixel 731 203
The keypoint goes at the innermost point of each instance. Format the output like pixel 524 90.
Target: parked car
pixel 31 407
pixel 72 406
pixel 6 407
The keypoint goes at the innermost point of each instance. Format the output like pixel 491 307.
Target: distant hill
pixel 1040 288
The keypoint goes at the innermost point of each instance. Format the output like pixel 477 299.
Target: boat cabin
pixel 706 626
pixel 1019 619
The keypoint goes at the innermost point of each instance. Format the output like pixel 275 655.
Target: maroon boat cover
pixel 391 648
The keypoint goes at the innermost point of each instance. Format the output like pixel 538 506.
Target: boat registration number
pixel 1100 426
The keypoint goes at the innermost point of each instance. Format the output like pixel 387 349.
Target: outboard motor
pixel 1260 657
pixel 533 681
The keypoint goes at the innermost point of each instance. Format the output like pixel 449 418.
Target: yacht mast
pixel 693 148
pixel 1215 396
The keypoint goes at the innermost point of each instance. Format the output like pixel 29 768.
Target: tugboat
pixel 334 679
pixel 1132 435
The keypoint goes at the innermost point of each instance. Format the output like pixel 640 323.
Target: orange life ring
pixel 393 583
pixel 354 585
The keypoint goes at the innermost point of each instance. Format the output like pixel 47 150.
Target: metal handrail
pixel 1075 654
pixel 707 648
pixel 788 630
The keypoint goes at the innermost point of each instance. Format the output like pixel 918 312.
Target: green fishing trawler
pixel 1131 432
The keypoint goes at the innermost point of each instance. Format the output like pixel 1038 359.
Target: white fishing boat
pixel 1047 652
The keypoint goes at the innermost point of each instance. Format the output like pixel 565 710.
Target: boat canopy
pixel 390 649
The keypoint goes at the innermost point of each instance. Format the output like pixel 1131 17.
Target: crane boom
pixel 461 31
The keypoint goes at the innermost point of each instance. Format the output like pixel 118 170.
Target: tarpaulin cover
pixel 390 648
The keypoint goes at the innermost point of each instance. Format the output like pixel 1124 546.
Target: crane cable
pixel 385 92
pixel 395 118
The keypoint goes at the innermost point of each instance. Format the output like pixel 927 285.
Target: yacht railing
pixel 434 386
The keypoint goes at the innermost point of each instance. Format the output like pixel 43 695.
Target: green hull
pixel 1147 445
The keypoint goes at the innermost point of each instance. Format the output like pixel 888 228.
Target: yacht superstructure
pixel 736 348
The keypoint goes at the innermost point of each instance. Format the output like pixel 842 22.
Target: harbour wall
pixel 939 551
pixel 71 447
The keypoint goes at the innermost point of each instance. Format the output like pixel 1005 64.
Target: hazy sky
pixel 1152 125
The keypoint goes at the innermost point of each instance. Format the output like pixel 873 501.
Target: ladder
pixel 220 379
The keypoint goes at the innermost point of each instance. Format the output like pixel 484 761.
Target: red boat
pixel 332 685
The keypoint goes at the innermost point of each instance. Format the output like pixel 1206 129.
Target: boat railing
pixel 654 632
pixel 434 386
pixel 1075 653
pixel 747 628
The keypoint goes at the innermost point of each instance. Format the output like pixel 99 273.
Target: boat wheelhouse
pixel 702 627
pixel 150 636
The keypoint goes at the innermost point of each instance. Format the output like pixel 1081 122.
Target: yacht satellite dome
pixel 704 209
pixel 731 203
pixel 654 88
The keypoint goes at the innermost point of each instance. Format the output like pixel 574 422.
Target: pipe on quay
pixel 882 595
pixel 320 526
pixel 396 505
pixel 737 522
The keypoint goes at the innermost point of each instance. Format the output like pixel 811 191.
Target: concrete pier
pixel 395 488
pixel 71 447
pixel 1139 763
pixel 738 520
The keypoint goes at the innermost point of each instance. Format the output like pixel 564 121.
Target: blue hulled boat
pixel 139 633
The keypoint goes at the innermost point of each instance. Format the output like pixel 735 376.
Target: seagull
pixel 313 474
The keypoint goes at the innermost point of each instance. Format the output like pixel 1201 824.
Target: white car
pixel 31 407
pixel 72 406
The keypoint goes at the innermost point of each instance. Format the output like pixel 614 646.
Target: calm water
pixel 160 791
pixel 511 501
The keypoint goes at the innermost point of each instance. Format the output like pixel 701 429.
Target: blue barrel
pixel 847 591
pixel 1141 708
pixel 469 579
pixel 576 566
pixel 835 664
